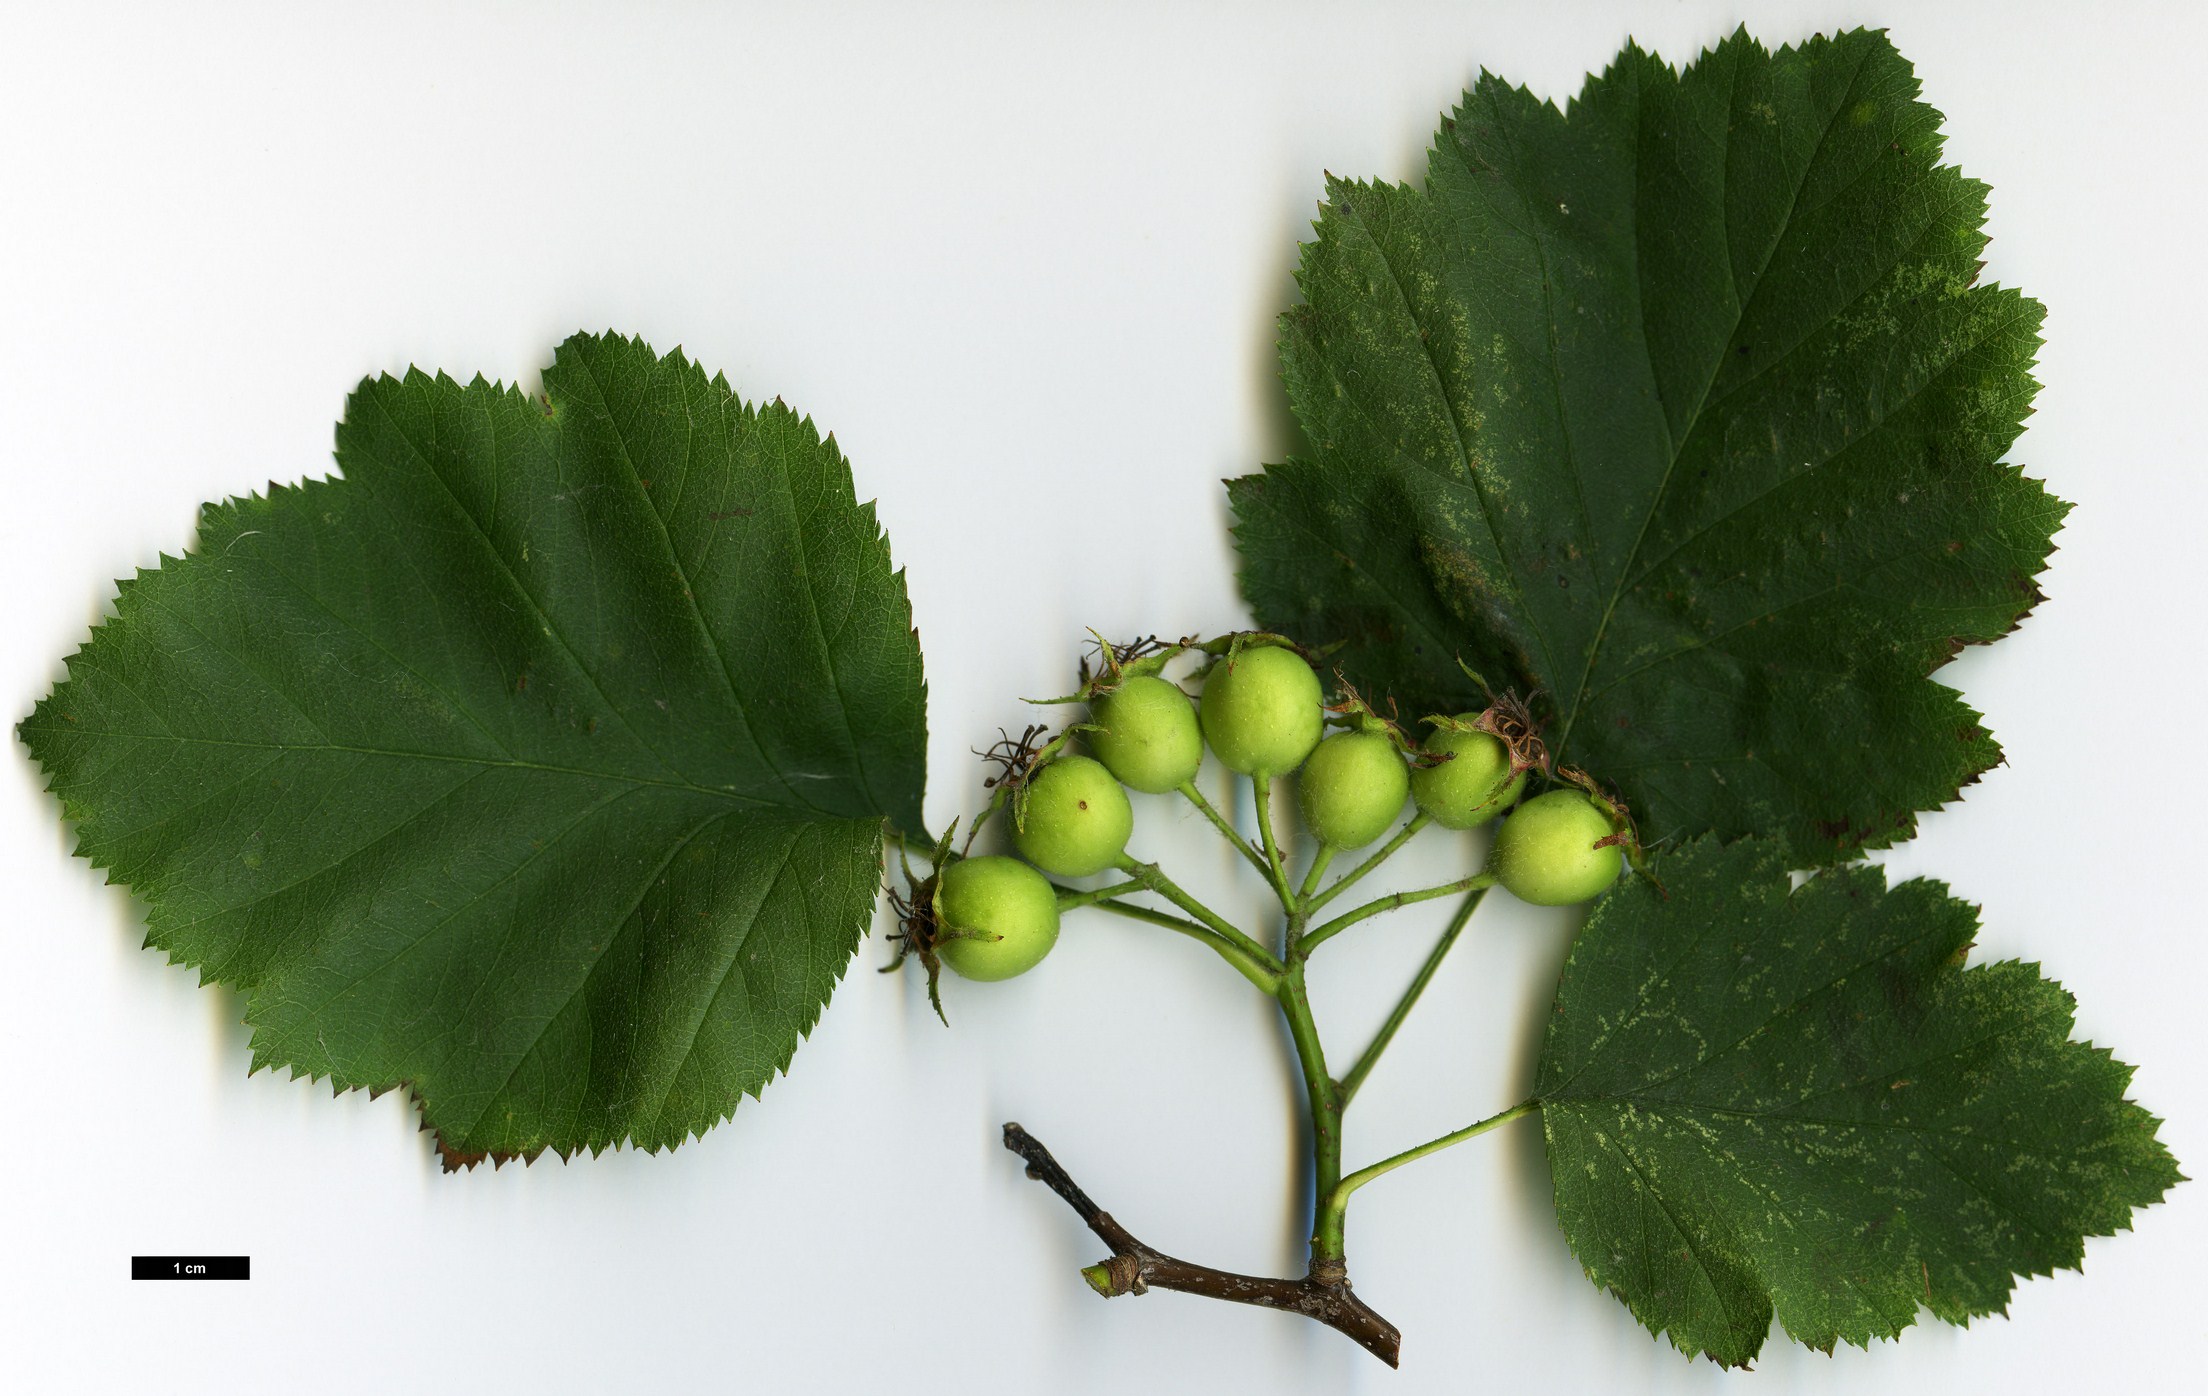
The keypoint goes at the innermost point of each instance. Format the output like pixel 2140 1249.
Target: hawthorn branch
pixel 1323 1295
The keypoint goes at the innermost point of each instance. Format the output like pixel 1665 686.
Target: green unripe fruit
pixel 1352 788
pixel 1473 785
pixel 1075 819
pixel 1261 711
pixel 1147 735
pixel 1001 897
pixel 1545 852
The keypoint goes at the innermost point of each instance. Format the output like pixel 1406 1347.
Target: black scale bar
pixel 191 1267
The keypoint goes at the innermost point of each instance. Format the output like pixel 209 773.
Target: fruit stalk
pixel 1261 786
pixel 1267 980
pixel 1319 862
pixel 1313 939
pixel 1152 877
pixel 1370 1058
pixel 1189 792
pixel 1404 835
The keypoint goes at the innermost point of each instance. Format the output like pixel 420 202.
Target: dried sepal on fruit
pixel 917 935
pixel 1464 776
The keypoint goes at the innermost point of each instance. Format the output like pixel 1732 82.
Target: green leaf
pixel 537 765
pixel 1760 1100
pixel 1683 406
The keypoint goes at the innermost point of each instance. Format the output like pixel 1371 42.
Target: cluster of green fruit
pixel 1263 715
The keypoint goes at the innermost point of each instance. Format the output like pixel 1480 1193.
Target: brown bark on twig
pixel 1135 1267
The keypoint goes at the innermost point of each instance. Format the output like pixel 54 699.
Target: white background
pixel 1024 262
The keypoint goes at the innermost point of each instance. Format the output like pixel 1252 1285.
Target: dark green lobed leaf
pixel 1760 1100
pixel 1683 406
pixel 537 765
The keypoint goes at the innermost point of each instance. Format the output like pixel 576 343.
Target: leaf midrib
pixel 1740 317
pixel 731 970
pixel 521 1059
pixel 635 476
pixel 490 548
pixel 1461 436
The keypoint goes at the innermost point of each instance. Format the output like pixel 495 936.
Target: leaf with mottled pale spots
pixel 538 765
pixel 1684 406
pixel 1761 1100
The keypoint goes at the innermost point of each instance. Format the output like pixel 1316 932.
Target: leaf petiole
pixel 919 838
pixel 1335 1207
